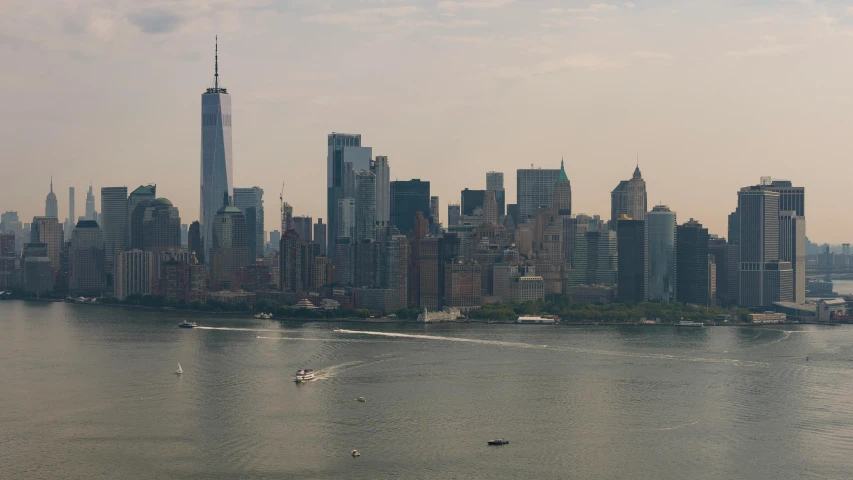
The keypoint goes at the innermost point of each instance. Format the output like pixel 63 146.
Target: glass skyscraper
pixel 661 222
pixel 217 179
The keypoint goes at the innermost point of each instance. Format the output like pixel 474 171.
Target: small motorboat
pixel 355 453
pixel 361 399
pixel 498 441
pixel 186 324
pixel 179 370
pixel 303 375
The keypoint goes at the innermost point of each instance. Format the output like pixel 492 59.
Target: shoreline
pixel 249 315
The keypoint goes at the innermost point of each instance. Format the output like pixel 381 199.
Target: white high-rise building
pixel 382 170
pixel 217 177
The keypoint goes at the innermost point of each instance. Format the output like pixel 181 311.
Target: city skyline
pixel 736 140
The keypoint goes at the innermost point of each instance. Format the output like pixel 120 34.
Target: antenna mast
pixel 216 65
pixel 281 201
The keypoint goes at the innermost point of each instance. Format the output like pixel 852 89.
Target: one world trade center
pixel 217 178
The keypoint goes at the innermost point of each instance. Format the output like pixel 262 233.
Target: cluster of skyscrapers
pixel 385 246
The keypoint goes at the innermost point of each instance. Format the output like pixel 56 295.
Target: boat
pixel 498 441
pixel 186 324
pixel 355 453
pixel 685 323
pixel 265 316
pixel 304 374
pixel 446 315
pixel 179 370
pixel 536 320
pixel 361 399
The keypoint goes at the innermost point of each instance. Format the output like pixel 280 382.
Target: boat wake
pixel 440 338
pixel 311 339
pixel 674 427
pixel 659 356
pixel 237 329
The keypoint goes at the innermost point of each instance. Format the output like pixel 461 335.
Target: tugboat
pixel 186 324
pixel 304 374
pixel 498 441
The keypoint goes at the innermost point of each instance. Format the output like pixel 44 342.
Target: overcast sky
pixel 710 94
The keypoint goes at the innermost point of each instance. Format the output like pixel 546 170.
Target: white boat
pixel 685 323
pixel 179 370
pixel 535 320
pixel 355 453
pixel 304 374
pixel 362 400
pixel 446 315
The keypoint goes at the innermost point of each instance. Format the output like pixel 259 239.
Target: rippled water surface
pixel 89 392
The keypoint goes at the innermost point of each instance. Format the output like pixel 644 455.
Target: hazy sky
pixel 710 94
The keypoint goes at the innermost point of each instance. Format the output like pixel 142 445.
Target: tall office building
pixel 134 273
pixel 726 260
pixel 692 274
pixel 633 253
pixel 792 248
pixel 71 218
pixel 114 224
pixel 137 202
pixel 381 168
pixel 495 182
pixel 230 249
pixel 734 227
pixel 304 227
pixel 51 209
pixel 185 234
pixel 490 208
pixel 275 240
pixel 365 206
pixel 320 233
pixel 595 259
pixel 763 278
pixel 662 260
pixel 91 214
pixel 194 240
pixel 454 211
pixel 434 205
pixel 629 198
pixel 472 200
pixel 161 226
pixel 217 177
pixel 344 157
pixel 47 230
pixel 346 218
pixel 791 198
pixel 535 188
pixel 245 198
pixel 290 256
pixel 408 197
pixel 87 261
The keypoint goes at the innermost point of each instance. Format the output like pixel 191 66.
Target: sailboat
pixel 179 370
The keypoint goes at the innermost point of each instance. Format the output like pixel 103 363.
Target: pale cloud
pixel 455 5
pixel 769 46
pixel 654 55
pixel 581 61
pixel 591 8
pixel 362 17
pixel 465 39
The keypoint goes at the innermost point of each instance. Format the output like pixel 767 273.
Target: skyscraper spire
pixel 51 184
pixel 216 65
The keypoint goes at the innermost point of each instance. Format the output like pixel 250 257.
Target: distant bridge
pixel 833 270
